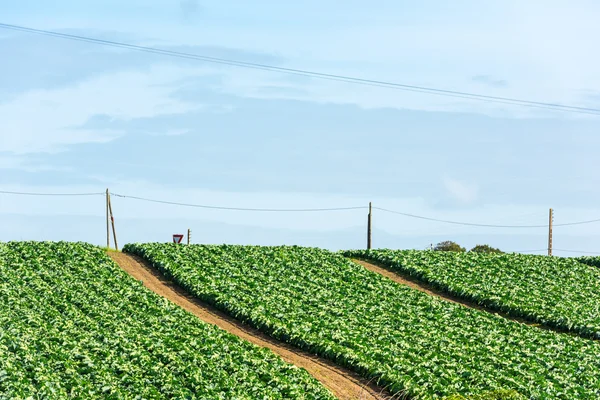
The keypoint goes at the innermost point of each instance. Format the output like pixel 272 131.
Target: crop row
pixel 589 260
pixel 557 292
pixel 413 343
pixel 74 325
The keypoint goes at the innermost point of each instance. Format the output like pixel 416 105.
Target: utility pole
pixel 189 236
pixel 107 223
pixel 112 220
pixel 369 227
pixel 550 221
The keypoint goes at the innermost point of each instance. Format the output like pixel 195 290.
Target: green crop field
pixel 415 343
pixel 593 261
pixel 558 292
pixel 74 325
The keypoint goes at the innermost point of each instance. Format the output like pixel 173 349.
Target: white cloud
pixel 546 59
pixel 47 120
pixel 22 163
pixel 176 132
pixel 543 49
pixel 11 162
pixel 461 191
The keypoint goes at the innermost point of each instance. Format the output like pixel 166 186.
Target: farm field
pixel 404 339
pixel 557 292
pixel 589 260
pixel 74 325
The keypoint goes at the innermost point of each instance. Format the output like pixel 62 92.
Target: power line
pixel 51 194
pixel 484 225
pixel 239 208
pixel 577 251
pixel 578 223
pixel 458 222
pixel 296 209
pixel 320 75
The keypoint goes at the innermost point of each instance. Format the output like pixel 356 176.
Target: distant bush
pixel 449 246
pixel 485 248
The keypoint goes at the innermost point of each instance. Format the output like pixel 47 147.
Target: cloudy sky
pixel 79 117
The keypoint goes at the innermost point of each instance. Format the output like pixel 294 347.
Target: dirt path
pixel 430 290
pixel 345 385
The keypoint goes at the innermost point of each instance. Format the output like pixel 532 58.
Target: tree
pixel 485 248
pixel 449 245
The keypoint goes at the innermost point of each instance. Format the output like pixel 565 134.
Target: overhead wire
pixel 214 207
pixel 240 208
pixel 51 194
pixel 591 221
pixel 576 251
pixel 314 74
pixel 344 209
pixel 457 222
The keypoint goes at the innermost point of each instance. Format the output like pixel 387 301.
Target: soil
pixel 344 384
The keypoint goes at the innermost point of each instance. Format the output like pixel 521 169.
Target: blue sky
pixel 81 117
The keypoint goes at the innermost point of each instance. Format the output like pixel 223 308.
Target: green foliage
pixel 401 338
pixel 74 325
pixel 558 292
pixel 496 395
pixel 589 260
pixel 449 246
pixel 485 248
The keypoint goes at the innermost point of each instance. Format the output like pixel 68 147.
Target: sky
pixel 77 117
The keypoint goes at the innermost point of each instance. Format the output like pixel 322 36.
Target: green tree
pixel 485 248
pixel 449 245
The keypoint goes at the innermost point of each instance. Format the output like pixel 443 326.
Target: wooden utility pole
pixel 189 237
pixel 550 220
pixel 369 227
pixel 112 220
pixel 107 223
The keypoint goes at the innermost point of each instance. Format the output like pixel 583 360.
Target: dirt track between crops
pixel 430 290
pixel 344 384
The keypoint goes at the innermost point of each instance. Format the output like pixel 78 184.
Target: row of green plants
pixel 495 395
pixel 589 260
pixel 74 325
pixel 403 339
pixel 558 292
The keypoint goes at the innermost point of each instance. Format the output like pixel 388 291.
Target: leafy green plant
pixel 557 292
pixel 406 340
pixel 589 260
pixel 496 395
pixel 74 325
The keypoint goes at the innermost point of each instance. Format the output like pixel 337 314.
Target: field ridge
pixel 425 287
pixel 344 384
pixel 417 344
pixel 555 293
pixel 75 325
